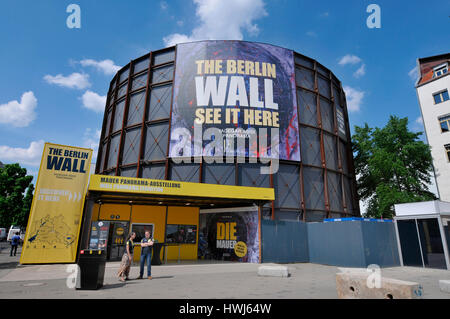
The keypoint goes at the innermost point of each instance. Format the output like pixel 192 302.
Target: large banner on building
pixel 243 90
pixel 56 212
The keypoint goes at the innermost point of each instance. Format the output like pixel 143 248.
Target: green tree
pixel 16 195
pixel 392 166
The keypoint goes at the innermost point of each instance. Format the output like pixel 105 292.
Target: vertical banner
pixel 56 212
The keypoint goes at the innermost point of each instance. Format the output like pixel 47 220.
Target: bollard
pixel 273 271
pixel 354 286
pixel 444 285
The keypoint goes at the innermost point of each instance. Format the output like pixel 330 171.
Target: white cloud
pixel 414 74
pixel 417 125
pixel 222 20
pixel 19 114
pixel 106 66
pixel 176 38
pixel 91 140
pixel 74 81
pixel 419 120
pixel 360 72
pixel 353 60
pixel 163 5
pixel 349 59
pixel 24 156
pixel 354 98
pixel 93 101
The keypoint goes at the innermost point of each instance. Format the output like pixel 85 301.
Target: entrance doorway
pixel 421 243
pixel 116 244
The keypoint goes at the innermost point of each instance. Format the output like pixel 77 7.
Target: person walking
pixel 146 254
pixel 14 243
pixel 127 258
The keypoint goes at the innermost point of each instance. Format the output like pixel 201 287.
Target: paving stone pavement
pixel 196 281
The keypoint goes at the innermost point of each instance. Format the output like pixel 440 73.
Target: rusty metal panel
pixel 314 190
pixel 131 147
pixel 250 175
pixel 222 174
pixel 184 172
pixel 136 108
pixel 113 151
pixel 286 185
pixel 311 145
pixel 160 102
pixel 307 107
pixel 154 171
pixel 331 151
pixel 162 74
pixel 156 142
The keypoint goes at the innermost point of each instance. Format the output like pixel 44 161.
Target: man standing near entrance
pixel 146 254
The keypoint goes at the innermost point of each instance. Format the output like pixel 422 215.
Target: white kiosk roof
pixel 423 208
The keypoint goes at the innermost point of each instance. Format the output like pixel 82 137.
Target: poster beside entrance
pixel 232 236
pixel 99 235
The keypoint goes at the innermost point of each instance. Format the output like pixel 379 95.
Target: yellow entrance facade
pixel 158 216
pixel 165 208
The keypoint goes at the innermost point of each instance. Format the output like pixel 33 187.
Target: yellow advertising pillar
pixel 56 211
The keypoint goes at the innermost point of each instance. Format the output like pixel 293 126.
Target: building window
pixel 440 70
pixel 440 97
pixel 447 149
pixel 445 123
pixel 140 230
pixel 181 234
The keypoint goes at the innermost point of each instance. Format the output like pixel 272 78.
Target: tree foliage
pixel 16 195
pixel 392 166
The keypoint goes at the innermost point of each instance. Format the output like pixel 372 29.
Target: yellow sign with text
pixel 240 249
pixel 57 208
pixel 161 187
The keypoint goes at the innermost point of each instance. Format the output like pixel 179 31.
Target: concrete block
pixel 444 285
pixel 273 271
pixel 360 286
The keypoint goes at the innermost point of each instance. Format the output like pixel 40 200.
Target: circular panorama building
pixel 288 110
pixel 156 93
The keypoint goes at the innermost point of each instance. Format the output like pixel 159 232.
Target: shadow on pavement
pixel 10 265
pixel 153 278
pixel 112 286
pixel 162 277
pixel 132 281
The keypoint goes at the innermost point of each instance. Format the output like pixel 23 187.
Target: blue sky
pixel 47 68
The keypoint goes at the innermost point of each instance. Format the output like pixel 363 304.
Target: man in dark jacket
pixel 15 240
pixel 146 254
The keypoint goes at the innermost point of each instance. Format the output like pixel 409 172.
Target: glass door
pixel 445 222
pixel 431 242
pixel 116 245
pixel 409 243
